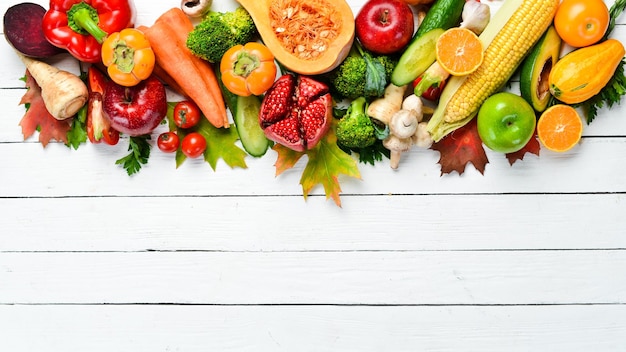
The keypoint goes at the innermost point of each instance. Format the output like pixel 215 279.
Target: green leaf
pixel 221 145
pixel 139 153
pixel 77 134
pixel 614 12
pixel 220 142
pixel 375 75
pixel 326 162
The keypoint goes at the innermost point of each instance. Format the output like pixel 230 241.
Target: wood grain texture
pixel 105 328
pixel 528 257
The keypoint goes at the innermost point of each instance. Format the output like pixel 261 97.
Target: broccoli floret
pixel 356 129
pixel 220 31
pixel 362 74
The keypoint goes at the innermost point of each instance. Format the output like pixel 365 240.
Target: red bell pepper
pixel 80 26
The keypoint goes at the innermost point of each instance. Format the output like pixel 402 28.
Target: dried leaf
pixel 461 147
pixel 325 163
pixel 532 146
pixel 287 158
pixel 37 117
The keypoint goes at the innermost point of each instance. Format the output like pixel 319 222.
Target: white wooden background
pixel 529 257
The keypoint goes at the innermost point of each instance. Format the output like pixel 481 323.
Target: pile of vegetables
pixel 365 108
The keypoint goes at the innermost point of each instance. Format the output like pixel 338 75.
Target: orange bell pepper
pixel 248 69
pixel 128 57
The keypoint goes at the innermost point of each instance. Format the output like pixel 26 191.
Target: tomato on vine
pixel 168 142
pixel 581 23
pixel 193 145
pixel 186 114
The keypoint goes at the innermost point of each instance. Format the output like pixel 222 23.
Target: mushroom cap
pixel 403 123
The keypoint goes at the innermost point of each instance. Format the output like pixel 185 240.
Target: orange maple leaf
pixel 37 117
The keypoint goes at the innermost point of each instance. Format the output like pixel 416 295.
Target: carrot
pixel 63 92
pixel 194 76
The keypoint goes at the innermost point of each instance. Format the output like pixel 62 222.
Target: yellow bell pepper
pixel 128 57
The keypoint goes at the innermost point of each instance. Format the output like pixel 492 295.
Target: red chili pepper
pixel 433 92
pixel 98 125
pixel 80 26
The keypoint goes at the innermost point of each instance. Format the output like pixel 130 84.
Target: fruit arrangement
pixel 313 78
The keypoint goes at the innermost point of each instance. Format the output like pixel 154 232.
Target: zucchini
pixel 416 58
pixel 442 14
pixel 420 53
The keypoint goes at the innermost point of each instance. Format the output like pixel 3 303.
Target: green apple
pixel 506 122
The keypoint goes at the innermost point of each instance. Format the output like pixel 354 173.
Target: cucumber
pixel 420 53
pixel 442 14
pixel 246 117
pixel 245 111
pixel 416 59
pixel 536 67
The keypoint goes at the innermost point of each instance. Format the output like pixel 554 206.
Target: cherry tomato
pixel 248 69
pixel 193 145
pixel 186 114
pixel 168 142
pixel 581 23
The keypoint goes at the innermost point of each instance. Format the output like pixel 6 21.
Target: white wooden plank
pixel 380 277
pixel 312 328
pixel 594 166
pixel 422 222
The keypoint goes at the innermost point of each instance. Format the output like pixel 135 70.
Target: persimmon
pixel 581 23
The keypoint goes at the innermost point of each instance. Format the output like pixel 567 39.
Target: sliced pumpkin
pixel 306 36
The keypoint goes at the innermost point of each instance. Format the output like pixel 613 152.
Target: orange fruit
pixel 559 128
pixel 459 51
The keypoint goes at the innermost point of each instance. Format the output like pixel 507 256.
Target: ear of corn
pixel 510 34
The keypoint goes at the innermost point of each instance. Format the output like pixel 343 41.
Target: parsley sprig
pixel 139 153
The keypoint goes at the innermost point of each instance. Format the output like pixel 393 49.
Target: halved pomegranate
pixel 296 112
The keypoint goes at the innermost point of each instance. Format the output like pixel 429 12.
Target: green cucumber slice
pixel 246 117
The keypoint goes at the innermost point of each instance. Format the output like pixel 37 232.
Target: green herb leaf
pixel 614 12
pixel 77 134
pixel 139 153
pixel 375 75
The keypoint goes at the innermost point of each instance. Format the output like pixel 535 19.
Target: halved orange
pixel 459 51
pixel 559 128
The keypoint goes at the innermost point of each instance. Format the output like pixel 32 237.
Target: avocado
pixel 536 67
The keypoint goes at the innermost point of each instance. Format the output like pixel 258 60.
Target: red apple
pixel 135 110
pixel 384 26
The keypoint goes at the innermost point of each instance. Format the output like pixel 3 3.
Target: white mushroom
pixel 195 8
pixel 413 102
pixel 403 123
pixel 396 146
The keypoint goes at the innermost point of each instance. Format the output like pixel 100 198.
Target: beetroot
pixel 23 30
pixel 296 112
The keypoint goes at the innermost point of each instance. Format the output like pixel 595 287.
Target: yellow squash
pixel 582 73
pixel 306 36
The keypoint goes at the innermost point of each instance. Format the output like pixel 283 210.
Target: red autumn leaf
pixel 38 118
pixel 532 146
pixel 461 147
